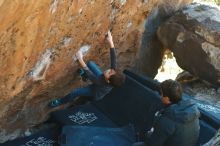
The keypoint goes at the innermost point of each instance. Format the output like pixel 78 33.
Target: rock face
pixel 193 36
pixel 151 51
pixel 38 39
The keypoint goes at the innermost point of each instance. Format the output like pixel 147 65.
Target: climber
pixel 178 122
pixel 102 83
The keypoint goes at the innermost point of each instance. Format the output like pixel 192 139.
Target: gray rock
pixel 193 35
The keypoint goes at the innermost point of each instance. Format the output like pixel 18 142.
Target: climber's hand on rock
pixel 110 39
pixel 79 55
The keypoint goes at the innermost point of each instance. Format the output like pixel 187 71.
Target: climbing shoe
pixel 83 74
pixel 55 103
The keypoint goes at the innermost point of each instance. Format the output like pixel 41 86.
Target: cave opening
pixel 169 68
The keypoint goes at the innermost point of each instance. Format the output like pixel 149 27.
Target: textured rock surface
pixel 38 39
pixel 151 52
pixel 193 35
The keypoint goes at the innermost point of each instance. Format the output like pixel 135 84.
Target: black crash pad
pixel 87 115
pixel 97 136
pixel 47 137
pixel 206 132
pixel 131 103
pixel 144 80
pixel 209 113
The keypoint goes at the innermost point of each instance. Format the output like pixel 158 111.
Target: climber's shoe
pixel 55 103
pixel 83 74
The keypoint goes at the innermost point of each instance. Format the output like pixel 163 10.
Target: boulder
pixel 38 39
pixel 151 52
pixel 193 35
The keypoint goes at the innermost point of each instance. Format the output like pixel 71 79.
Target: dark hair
pixel 117 79
pixel 172 89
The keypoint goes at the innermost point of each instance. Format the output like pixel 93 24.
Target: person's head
pixel 114 77
pixel 171 92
